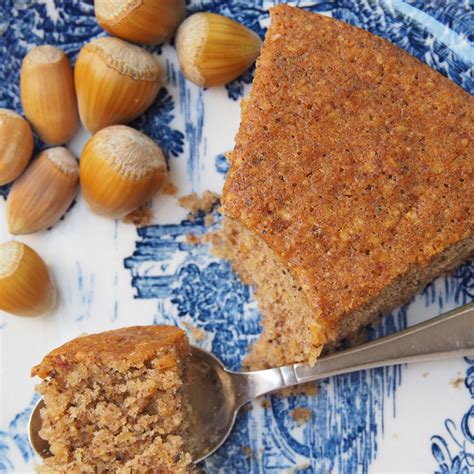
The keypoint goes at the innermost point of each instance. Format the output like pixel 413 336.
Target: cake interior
pixel 291 332
pixel 117 417
pixel 286 318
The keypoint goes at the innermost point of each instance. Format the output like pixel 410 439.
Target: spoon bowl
pixel 40 445
pixel 212 397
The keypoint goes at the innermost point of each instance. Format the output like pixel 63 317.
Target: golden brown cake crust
pixel 353 161
pixel 133 345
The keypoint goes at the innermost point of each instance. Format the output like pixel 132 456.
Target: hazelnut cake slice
pixel 351 183
pixel 115 403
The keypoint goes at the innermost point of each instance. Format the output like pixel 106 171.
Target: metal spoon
pixel 216 394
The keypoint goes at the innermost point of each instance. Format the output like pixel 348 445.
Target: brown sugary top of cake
pixel 353 160
pixel 131 345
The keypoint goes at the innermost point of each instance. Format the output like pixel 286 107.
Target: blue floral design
pixel 458 16
pixel 155 122
pixel 222 164
pixel 460 460
pixel 458 287
pixel 28 27
pixel 14 441
pixel 235 88
pixel 213 296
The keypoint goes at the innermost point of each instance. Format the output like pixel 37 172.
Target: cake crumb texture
pixel 192 239
pixel 195 203
pixel 170 189
pixel 196 334
pixel 301 415
pixel 140 217
pixel 351 182
pixel 115 403
pixel 247 450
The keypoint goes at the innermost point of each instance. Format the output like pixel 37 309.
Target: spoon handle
pixel 447 336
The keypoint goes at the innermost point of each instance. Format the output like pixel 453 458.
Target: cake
pixel 350 186
pixel 115 403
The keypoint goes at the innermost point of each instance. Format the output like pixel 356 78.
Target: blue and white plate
pixel 417 418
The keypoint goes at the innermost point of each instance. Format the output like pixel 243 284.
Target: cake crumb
pixel 265 403
pixel 457 382
pixel 208 220
pixel 247 450
pixel 147 363
pixel 194 203
pixel 170 189
pixel 192 239
pixel 197 334
pixel 310 389
pixel 140 217
pixel 301 415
